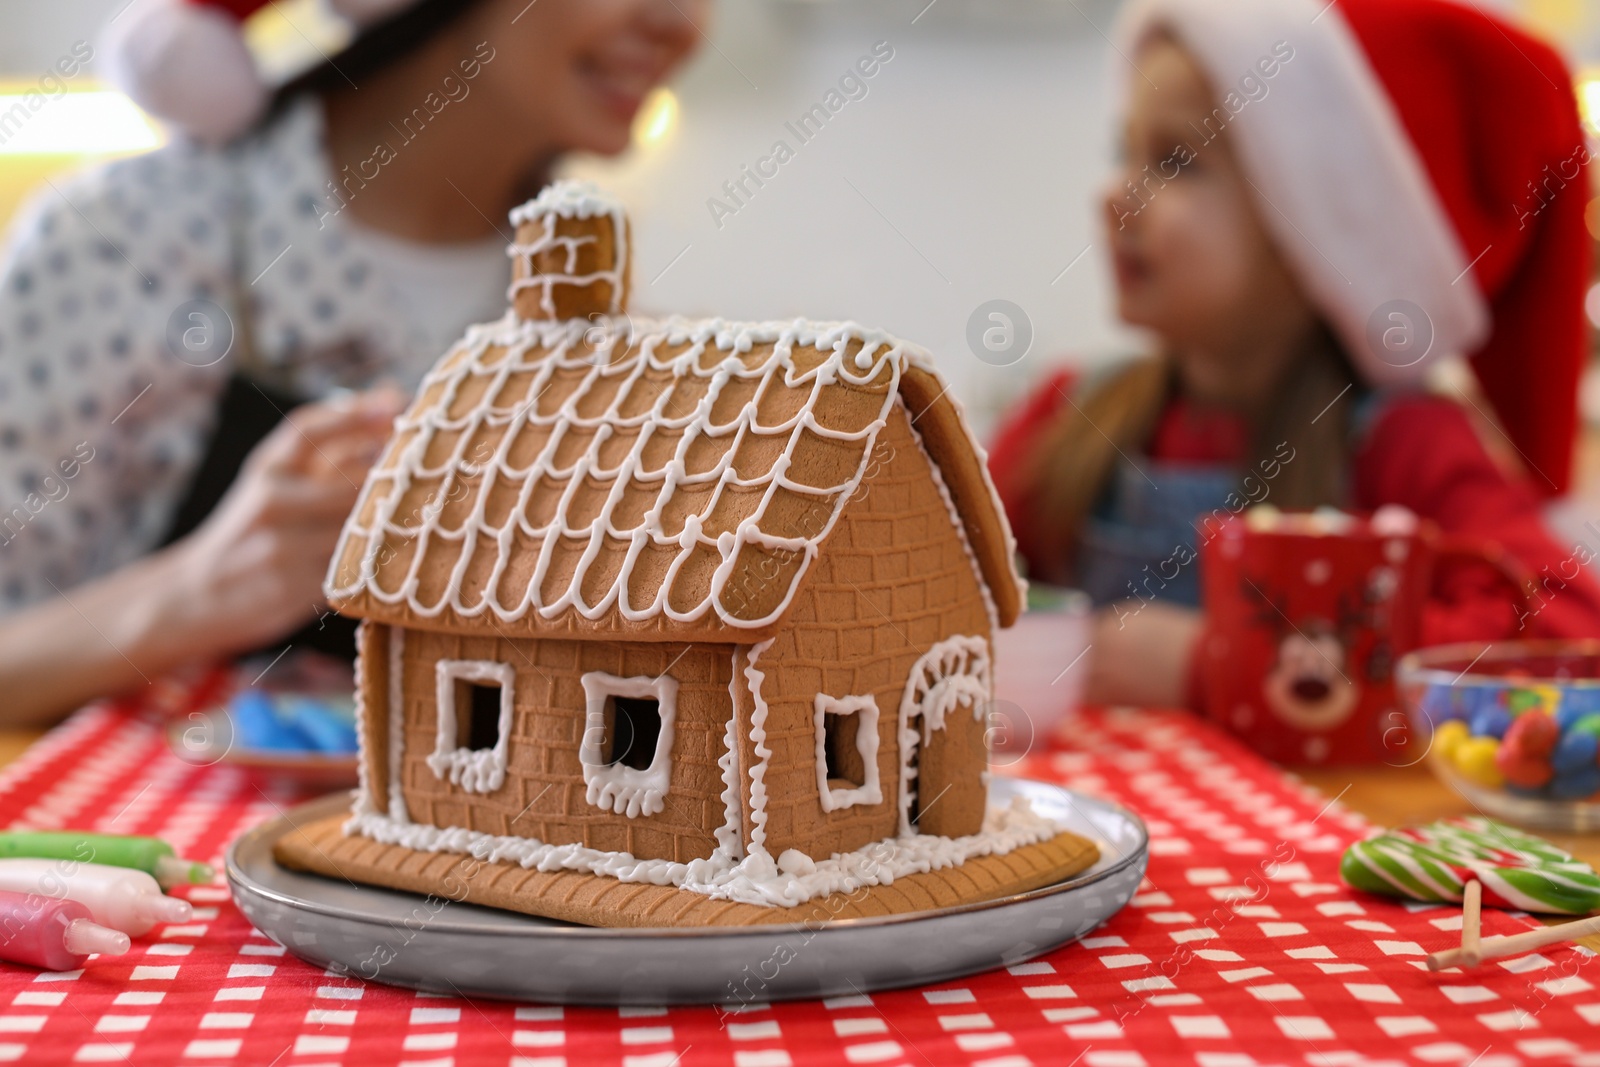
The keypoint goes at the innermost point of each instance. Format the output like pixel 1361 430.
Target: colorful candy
pixel 1528 738
pixel 1434 862
pixel 1477 760
pixel 1447 738
pixel 1491 722
pixel 1576 785
pixel 1575 752
pixel 1524 755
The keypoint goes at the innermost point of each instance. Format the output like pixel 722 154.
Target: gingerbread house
pixel 700 604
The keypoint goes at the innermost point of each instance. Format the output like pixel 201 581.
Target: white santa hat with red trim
pixel 1413 156
pixel 185 61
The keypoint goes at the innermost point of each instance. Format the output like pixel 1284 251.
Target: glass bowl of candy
pixel 1513 726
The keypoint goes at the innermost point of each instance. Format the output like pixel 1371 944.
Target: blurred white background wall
pixel 965 174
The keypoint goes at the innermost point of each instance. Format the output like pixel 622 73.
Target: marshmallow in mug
pixel 1391 520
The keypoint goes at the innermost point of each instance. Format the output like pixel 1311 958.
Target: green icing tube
pixel 149 854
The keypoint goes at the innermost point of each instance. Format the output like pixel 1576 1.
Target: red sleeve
pixel 1019 433
pixel 1423 453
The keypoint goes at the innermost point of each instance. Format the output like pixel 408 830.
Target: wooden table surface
pixel 1391 796
pixel 14 742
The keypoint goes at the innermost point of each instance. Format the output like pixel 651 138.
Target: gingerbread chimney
pixel 570 259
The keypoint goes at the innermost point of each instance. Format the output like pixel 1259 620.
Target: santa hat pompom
pixel 187 63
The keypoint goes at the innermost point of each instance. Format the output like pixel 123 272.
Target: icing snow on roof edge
pixel 568 200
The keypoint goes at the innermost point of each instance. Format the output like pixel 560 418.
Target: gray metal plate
pixel 460 948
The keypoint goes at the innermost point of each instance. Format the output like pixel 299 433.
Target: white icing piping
pixel 617 787
pixel 569 200
pixel 363 801
pixel 730 835
pixel 480 770
pixel 554 345
pixel 758 738
pixel 954 671
pixel 868 792
pixel 397 724
pixel 755 880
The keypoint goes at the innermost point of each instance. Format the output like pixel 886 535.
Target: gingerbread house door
pixel 944 753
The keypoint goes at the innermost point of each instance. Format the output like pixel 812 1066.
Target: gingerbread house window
pixel 475 700
pixel 847 751
pixel 626 750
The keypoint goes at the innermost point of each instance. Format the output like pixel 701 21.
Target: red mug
pixel 1306 615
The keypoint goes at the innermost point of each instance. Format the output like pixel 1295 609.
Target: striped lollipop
pixel 1434 863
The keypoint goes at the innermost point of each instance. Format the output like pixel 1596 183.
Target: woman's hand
pixel 249 574
pixel 253 570
pixel 1140 655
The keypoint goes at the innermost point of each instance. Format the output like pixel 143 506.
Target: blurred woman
pixel 159 315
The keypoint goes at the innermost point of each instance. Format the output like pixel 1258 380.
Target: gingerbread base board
pixel 404 940
pixel 321 847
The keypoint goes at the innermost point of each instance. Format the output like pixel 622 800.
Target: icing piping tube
pixel 151 855
pixel 117 897
pixel 57 935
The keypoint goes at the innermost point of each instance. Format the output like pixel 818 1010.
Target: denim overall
pixel 1144 529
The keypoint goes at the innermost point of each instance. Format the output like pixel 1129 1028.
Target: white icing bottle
pixel 119 897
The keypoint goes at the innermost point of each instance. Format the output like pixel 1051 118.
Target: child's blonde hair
pixel 1313 409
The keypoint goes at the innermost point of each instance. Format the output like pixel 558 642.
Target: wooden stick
pixel 1498 947
pixel 1471 919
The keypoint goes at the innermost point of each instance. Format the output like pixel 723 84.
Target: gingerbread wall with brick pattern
pixel 891 580
pixel 544 793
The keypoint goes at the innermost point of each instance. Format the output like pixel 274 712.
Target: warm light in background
pixel 288 36
pixel 1589 99
pixel 657 119
pixel 95 123
pixel 1555 18
pixel 1591 304
pixel 83 125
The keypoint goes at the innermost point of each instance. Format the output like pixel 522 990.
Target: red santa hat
pixel 185 61
pixel 1421 165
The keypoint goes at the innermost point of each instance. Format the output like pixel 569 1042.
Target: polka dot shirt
pixel 121 320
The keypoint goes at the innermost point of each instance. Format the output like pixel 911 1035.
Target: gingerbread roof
pixel 570 471
pixel 646 478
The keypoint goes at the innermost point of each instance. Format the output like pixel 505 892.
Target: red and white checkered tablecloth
pixel 1241 948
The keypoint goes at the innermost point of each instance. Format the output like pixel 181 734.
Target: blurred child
pixel 1319 206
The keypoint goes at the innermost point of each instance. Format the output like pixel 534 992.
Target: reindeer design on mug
pixel 1311 685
